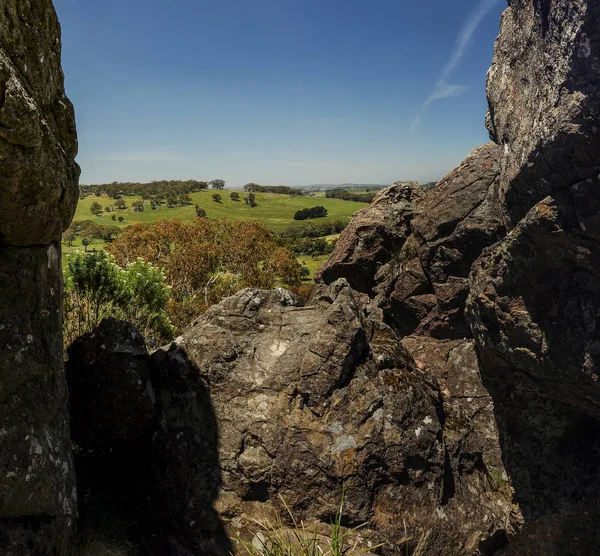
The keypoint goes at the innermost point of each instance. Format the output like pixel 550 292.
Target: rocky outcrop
pixel 262 402
pixel 502 259
pixel 38 142
pixel 37 199
pixel 372 237
pixel 424 287
pixel 544 99
pixel 534 303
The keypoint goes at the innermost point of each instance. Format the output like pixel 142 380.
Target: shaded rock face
pixel 111 394
pixel 37 199
pixel 261 399
pixel 534 302
pixel 502 256
pixel 535 312
pixel 544 98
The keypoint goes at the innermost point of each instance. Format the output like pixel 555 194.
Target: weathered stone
pixel 534 308
pixel 544 98
pixel 38 142
pixel 36 476
pixel 305 401
pixel 111 394
pixel 38 193
pixel 372 237
pixel 424 287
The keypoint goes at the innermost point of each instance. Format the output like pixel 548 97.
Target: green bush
pixel 96 287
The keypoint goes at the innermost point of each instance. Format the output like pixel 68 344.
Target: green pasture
pixel 276 212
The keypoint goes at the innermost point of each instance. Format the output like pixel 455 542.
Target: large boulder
pixel 111 395
pixel 263 402
pixel 37 199
pixel 36 479
pixel 534 308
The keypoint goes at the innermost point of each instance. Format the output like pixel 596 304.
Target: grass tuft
pixel 274 538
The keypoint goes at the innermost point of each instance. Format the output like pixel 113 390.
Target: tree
pixel 185 199
pixel 207 260
pixel 314 212
pixel 200 212
pixel 120 204
pixel 217 184
pixel 138 206
pixel 217 198
pixel 85 241
pixel 70 236
pixel 121 219
pixel 96 208
pixel 304 271
pixel 114 217
pixel 234 196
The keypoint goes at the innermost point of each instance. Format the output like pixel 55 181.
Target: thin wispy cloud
pixel 162 155
pixel 442 88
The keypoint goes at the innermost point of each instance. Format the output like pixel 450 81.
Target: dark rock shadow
pixel 186 467
pixel 541 363
pixel 153 490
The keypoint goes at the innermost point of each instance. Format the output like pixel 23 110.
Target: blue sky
pixel 277 91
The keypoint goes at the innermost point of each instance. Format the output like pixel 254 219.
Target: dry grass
pixel 274 538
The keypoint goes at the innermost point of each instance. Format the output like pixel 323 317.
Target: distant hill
pixel 349 186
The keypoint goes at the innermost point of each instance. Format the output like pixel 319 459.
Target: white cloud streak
pixel 442 88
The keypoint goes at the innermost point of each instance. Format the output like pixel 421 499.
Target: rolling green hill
pixel 276 212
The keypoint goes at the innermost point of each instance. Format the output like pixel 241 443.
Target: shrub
pixel 96 287
pixel 206 260
pixel 313 212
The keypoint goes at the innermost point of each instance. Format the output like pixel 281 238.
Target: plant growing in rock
pixel 274 538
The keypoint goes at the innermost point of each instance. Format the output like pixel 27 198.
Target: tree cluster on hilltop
pixel 161 189
pixel 312 212
pixel 345 195
pixel 279 189
pixel 314 229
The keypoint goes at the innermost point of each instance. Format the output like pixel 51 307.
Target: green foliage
pixel 96 287
pixel 278 189
pixel 313 212
pixel 217 184
pixel 347 196
pixel 304 271
pixel 138 206
pixel 120 204
pixel 159 188
pixel 234 196
pixel 217 198
pixel 96 208
pixel 200 212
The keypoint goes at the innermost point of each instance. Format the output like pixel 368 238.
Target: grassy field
pixel 276 212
